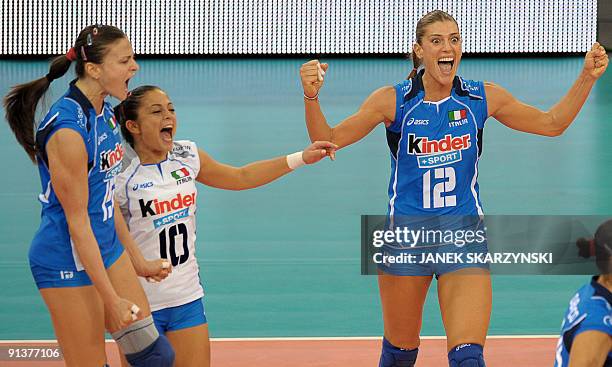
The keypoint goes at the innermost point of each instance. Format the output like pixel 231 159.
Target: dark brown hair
pixel 128 109
pixel 428 19
pixel 20 103
pixel 600 247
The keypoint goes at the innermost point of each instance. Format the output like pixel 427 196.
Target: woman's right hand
pixel 154 271
pixel 312 74
pixel 121 313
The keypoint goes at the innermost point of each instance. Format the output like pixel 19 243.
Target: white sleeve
pixel 120 183
pixel 187 152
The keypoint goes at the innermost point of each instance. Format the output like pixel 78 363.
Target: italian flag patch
pixel 112 122
pixel 457 115
pixel 180 173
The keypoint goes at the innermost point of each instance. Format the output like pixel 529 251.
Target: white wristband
pixel 295 160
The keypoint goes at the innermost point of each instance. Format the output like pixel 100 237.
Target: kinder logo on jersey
pixel 181 176
pixel 422 145
pixel 435 153
pixel 110 161
pixel 156 207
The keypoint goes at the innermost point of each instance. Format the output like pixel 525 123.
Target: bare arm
pixel 378 107
pixel 590 348
pixel 68 169
pixel 155 270
pixel 520 116
pixel 223 176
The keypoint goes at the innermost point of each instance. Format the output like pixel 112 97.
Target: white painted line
pixel 329 338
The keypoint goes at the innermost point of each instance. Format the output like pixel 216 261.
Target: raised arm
pixel 520 116
pixel 223 176
pixel 378 107
pixel 68 168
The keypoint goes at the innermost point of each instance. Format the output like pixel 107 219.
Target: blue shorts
pixel 180 317
pixel 55 278
pixel 436 261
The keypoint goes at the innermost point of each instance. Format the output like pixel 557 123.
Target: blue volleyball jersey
pixel 52 246
pixel 590 309
pixel 435 147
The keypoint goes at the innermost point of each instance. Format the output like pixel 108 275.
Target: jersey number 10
pixel 173 231
pixel 446 186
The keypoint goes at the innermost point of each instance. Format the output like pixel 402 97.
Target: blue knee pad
pixel 466 355
pixel 393 356
pixel 158 354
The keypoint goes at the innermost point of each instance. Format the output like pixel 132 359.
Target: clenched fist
pixel 312 74
pixel 595 61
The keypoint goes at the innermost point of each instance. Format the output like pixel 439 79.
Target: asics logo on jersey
pixel 101 138
pixel 412 121
pixel 110 158
pixel 156 207
pixel 422 145
pixel 144 185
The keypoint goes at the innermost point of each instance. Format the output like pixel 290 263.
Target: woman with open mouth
pixel 434 123
pixel 157 194
pixel 77 255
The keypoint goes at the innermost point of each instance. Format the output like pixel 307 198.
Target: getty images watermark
pixel 504 244
pixel 426 240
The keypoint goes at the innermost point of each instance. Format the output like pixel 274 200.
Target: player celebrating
pixel 158 194
pixel 76 256
pixel 434 122
pixel 586 331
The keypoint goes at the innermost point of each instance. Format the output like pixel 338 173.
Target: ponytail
pixel 416 62
pixel 21 102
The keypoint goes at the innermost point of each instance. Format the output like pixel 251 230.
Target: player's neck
pixel 434 91
pixel 147 156
pixel 93 93
pixel 606 281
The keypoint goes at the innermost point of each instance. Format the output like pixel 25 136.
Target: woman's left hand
pixel 595 61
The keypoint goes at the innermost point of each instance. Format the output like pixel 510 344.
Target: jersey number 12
pixel 446 186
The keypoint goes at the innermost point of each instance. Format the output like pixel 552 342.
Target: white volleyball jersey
pixel 158 202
